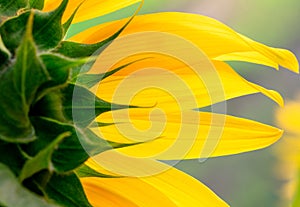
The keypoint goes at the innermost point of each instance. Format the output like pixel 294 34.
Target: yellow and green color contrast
pixel 67 140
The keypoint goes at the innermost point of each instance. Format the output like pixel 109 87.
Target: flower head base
pixel 64 101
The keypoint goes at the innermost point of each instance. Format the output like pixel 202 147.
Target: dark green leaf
pixel 86 171
pixel 43 159
pixel 36 4
pixel 38 182
pixel 61 156
pixel 47 29
pixel 82 106
pixel 49 106
pixel 70 153
pixel 13 30
pixel 77 50
pixel 58 65
pixel 18 86
pixel 67 191
pixel 12 157
pixel 10 8
pixel 12 194
pixel 59 68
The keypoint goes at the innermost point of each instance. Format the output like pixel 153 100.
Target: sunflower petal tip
pixel 292 64
pixel 280 133
pixel 277 136
pixel 294 67
pixel 280 102
pixel 277 97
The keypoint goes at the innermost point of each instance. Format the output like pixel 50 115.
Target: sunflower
pixel 288 150
pixel 89 118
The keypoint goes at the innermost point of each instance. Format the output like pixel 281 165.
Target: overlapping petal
pixel 181 133
pixel 89 8
pixel 165 123
pixel 185 135
pixel 184 86
pixel 169 188
pixel 216 39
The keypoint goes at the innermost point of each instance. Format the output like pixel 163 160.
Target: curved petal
pixel 185 135
pixel 169 83
pixel 169 188
pixel 89 8
pixel 127 192
pixel 214 38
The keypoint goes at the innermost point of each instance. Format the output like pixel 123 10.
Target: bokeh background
pixel 249 179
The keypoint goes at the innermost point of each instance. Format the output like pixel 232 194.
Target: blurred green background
pixel 248 179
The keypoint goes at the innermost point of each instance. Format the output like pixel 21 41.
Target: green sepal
pixel 68 23
pixel 85 171
pixel 94 145
pixel 57 62
pixel 90 80
pixel 67 191
pixel 79 50
pixel 57 149
pixel 49 106
pixel 13 30
pixel 82 106
pixel 36 4
pixel 47 29
pixel 59 68
pixel 10 8
pixel 18 88
pixel 61 147
pixel 12 193
pixel 100 124
pixel 43 160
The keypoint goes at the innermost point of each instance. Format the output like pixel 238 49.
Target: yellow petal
pixel 171 84
pixel 127 192
pixel 184 135
pixel 214 38
pixel 169 188
pixel 89 8
pixel 264 55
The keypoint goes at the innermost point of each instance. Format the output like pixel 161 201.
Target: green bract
pixel 46 107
